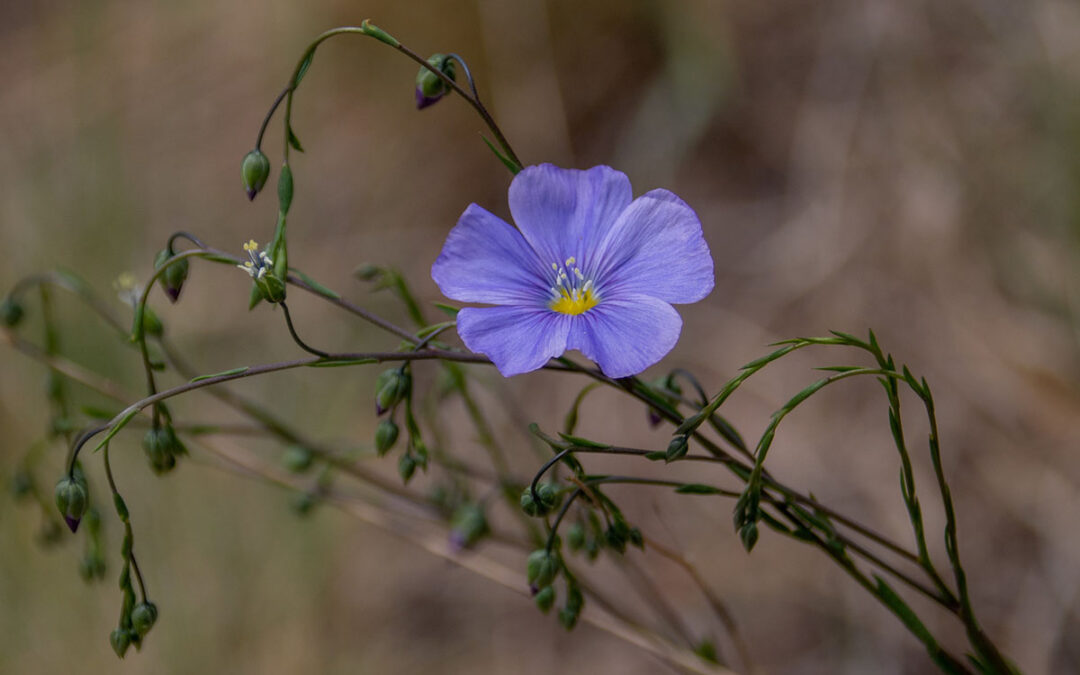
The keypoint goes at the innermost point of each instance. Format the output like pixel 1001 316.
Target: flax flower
pixel 588 268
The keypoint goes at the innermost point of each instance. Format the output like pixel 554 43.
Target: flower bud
pixel 547 499
pixel 541 569
pixel 545 599
pixel 151 324
pixel 467 526
pixel 173 278
pixel 429 86
pixel 406 467
pixel 11 312
pixel 390 388
pixel 304 503
pixel 575 537
pixel 386 435
pixel 162 447
pixel 676 449
pixel 143 617
pixel 255 169
pixel 120 639
pixel 297 459
pixel 71 499
pixel 575 601
pixel 92 566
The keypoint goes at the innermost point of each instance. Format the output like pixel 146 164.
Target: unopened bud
pixel 255 169
pixel 143 617
pixel 92 566
pixel 575 537
pixel 120 639
pixel 11 312
pixel 541 569
pixel 467 526
pixel 71 500
pixel 173 278
pixel 297 459
pixel 545 599
pixel 162 447
pixel 386 434
pixel 406 467
pixel 547 499
pixel 429 86
pixel 390 388
pixel 676 449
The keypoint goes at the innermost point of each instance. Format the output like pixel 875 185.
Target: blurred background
pixel 911 167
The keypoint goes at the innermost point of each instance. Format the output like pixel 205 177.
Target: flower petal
pixel 516 339
pixel 626 335
pixel 565 212
pixel 485 259
pixel 655 248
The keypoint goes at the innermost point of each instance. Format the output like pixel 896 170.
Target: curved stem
pixel 296 338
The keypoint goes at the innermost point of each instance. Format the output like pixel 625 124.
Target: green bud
pixel 11 312
pixel 467 526
pixel 406 467
pixel 547 499
pixel 22 484
pixel 575 537
pixel 255 169
pixel 92 566
pixel 367 272
pixel 156 446
pixel 575 601
pixel 151 324
pixel 173 278
pixel 429 86
pixel 545 599
pixel 541 569
pixel 386 435
pixel 676 449
pixel 390 388
pixel 748 533
pixel 297 459
pixel 143 617
pixel 120 639
pixel 304 503
pixel 72 497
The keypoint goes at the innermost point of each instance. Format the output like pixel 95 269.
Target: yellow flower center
pixel 572 295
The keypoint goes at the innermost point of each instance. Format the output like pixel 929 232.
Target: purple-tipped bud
pixel 541 569
pixel 654 418
pixel 71 500
pixel 429 86
pixel 174 276
pixel 390 388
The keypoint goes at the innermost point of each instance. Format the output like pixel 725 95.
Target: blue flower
pixel 589 268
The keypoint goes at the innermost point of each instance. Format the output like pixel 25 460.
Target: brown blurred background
pixel 910 167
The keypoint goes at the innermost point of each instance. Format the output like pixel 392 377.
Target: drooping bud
pixel 120 639
pixel 297 459
pixel 429 86
pixel 386 435
pixel 390 388
pixel 255 169
pixel 143 617
pixel 467 526
pixel 545 599
pixel 575 601
pixel 173 278
pixel 575 537
pixel 541 569
pixel 547 499
pixel 71 499
pixel 11 312
pixel 406 467
pixel 162 447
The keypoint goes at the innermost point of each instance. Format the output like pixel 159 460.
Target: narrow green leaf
pixel 697 489
pixel 315 285
pixel 224 373
pixel 507 162
pixel 583 442
pixel 434 328
pixel 340 363
pixel 294 141
pixel 448 309
pixel 97 413
pixel 303 70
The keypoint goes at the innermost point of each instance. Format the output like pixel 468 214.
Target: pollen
pixel 574 294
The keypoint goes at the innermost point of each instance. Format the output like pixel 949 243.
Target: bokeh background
pixel 913 167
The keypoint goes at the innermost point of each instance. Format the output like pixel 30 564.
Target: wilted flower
pixel 588 268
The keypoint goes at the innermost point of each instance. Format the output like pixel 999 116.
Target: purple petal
pixel 565 212
pixel 626 335
pixel 516 339
pixel 656 248
pixel 485 259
